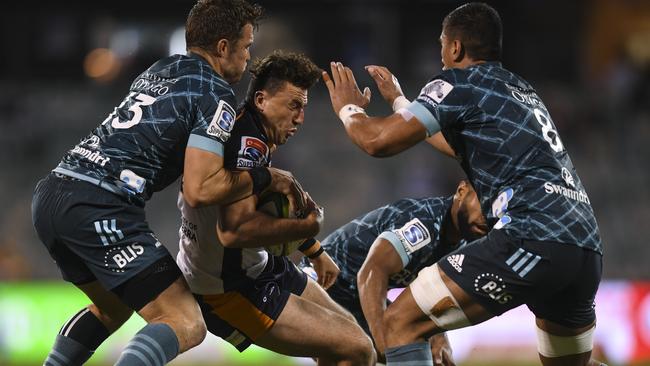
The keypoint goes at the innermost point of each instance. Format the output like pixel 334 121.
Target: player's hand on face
pixel 386 82
pixel 441 350
pixel 343 88
pixel 326 269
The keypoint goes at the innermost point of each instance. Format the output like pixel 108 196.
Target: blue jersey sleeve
pixel 215 118
pixel 442 102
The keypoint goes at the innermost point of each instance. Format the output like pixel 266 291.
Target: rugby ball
pixel 277 205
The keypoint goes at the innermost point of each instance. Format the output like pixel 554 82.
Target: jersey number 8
pixel 548 132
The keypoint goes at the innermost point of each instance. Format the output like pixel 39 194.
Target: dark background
pixel 64 66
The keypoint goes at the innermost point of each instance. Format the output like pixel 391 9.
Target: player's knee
pixel 361 350
pixel 193 327
pixel 553 346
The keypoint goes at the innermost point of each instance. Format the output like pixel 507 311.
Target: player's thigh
pixel 315 293
pixel 305 328
pixel 560 339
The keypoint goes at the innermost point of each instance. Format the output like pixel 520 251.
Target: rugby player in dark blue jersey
pixel 387 247
pixel 89 212
pixel 544 249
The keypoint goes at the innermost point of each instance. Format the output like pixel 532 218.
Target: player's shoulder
pixel 191 73
pixel 248 145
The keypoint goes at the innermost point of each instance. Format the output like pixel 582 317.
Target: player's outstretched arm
pixel 241 225
pixel 372 282
pixel 376 136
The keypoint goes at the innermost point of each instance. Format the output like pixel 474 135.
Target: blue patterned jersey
pixel 411 225
pixel 179 101
pixel 510 149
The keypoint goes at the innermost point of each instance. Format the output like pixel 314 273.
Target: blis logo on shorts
pixel 122 256
pixel 493 286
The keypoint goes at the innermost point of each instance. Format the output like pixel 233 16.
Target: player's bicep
pixel 199 165
pixel 383 255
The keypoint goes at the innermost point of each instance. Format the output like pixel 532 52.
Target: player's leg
pixel 408 325
pixel 566 320
pixel 88 328
pixel 305 328
pixel 314 293
pixel 162 298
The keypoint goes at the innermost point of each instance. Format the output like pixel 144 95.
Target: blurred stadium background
pixel 65 65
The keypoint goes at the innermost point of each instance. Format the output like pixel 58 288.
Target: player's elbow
pixel 378 148
pixel 228 239
pixel 197 195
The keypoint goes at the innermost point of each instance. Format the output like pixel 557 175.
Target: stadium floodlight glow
pixel 177 41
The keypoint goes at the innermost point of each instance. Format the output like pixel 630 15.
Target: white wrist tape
pixel 549 345
pixel 400 102
pixel 348 110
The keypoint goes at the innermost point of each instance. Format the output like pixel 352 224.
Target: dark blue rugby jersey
pixel 411 225
pixel 511 151
pixel 179 101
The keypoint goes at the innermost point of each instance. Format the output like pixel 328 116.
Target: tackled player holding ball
pixel 247 295
pixel 544 249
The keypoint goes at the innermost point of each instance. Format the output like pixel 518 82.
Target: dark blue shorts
pixel 93 234
pixel 242 315
pixel 558 282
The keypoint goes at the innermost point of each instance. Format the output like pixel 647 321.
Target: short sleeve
pixel 442 102
pixel 407 239
pixel 215 118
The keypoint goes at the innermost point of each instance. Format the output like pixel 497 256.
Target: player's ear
pixel 458 50
pixel 222 47
pixel 260 100
pixel 462 189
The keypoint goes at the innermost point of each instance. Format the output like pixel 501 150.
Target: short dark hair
pixel 212 20
pixel 478 27
pixel 269 73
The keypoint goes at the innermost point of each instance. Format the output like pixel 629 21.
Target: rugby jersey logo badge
pixel 222 122
pixel 437 90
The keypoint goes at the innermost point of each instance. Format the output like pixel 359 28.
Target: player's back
pixel 513 155
pixel 141 145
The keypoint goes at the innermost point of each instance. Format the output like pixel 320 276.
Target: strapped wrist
pixel 400 102
pixel 345 114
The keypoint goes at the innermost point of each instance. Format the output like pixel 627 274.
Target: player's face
pixel 283 112
pixel 446 53
pixel 471 222
pixel 238 56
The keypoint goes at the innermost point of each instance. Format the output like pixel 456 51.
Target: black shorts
pixel 93 234
pixel 242 315
pixel 557 281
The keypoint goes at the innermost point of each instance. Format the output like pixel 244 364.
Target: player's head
pixel 224 30
pixel 470 33
pixel 466 212
pixel 278 90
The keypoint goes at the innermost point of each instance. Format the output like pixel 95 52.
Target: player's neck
pixel 449 232
pixel 207 57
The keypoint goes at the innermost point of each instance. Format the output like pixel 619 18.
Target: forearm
pixel 223 187
pixel 373 287
pixel 263 230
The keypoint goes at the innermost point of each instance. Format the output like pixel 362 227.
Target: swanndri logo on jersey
pixel 413 235
pixel 456 261
pixel 493 286
pixel 94 156
pixel 132 180
pixel 436 90
pixel 569 193
pixel 403 277
pixel 222 122
pixel 568 178
pixel 253 153
pixel 91 142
